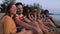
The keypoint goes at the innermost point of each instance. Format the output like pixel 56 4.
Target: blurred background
pixel 52 5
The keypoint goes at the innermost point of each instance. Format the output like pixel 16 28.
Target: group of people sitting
pixel 22 20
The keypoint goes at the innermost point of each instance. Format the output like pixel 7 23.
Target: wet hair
pixel 19 3
pixel 46 11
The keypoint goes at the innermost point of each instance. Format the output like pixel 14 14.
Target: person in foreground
pixel 9 26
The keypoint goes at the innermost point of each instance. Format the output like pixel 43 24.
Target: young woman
pixel 8 23
pixel 7 20
pixel 48 23
pixel 35 13
pixel 28 25
pixel 34 22
pixel 41 24
pixel 46 12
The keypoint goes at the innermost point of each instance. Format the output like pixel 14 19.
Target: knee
pixel 29 32
pixel 40 31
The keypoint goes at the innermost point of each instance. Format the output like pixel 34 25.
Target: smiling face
pixel 20 9
pixel 35 10
pixel 13 9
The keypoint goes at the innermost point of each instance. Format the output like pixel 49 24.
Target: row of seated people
pixel 22 20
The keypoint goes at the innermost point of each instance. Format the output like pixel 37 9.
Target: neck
pixel 19 13
pixel 11 16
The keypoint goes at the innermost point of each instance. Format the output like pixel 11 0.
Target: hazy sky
pixel 52 5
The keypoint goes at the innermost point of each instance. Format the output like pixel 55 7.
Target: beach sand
pixel 1 14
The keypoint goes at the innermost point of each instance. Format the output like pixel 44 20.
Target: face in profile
pixel 47 12
pixel 20 9
pixel 13 9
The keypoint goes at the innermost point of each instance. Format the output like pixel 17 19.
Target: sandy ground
pixel 1 14
pixel 56 21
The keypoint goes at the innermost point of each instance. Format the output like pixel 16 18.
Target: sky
pixel 52 5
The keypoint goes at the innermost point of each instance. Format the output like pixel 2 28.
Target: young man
pixel 21 19
pixel 36 14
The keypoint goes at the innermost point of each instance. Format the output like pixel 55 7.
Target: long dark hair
pixel 26 12
pixel 7 10
pixel 46 11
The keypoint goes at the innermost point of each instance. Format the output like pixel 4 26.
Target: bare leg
pixel 43 27
pixel 39 31
pixel 29 32
pixel 46 31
